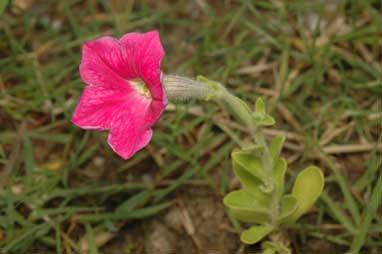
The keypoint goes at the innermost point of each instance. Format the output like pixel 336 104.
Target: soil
pixel 196 224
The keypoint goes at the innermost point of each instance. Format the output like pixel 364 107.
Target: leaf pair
pixel 248 167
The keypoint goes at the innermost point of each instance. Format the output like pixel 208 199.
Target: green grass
pixel 315 81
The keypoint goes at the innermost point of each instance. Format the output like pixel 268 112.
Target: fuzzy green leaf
pixel 260 115
pixel 248 206
pixel 288 206
pixel 268 121
pixel 260 106
pixel 307 188
pixel 280 169
pixel 255 233
pixel 246 160
pixel 276 146
pixel 245 200
pixel 263 119
pixel 248 180
pixel 274 247
pixel 250 216
pixel 253 148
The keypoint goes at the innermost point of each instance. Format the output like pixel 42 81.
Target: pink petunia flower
pixel 124 92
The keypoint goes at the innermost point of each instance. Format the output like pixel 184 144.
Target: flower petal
pixel 129 131
pixel 98 106
pixel 103 63
pixel 127 143
pixel 146 52
pixel 123 113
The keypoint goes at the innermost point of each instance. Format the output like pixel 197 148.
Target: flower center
pixel 141 88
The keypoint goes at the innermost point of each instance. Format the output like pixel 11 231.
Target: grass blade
pixel 369 214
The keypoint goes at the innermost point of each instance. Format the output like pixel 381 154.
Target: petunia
pixel 124 93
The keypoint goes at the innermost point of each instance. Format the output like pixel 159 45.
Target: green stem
pixel 243 113
pixel 239 109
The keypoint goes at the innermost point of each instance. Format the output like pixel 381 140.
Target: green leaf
pixel 248 180
pixel 253 148
pixel 307 188
pixel 245 200
pixel 288 206
pixel 255 233
pixel 268 121
pixel 246 160
pixel 275 247
pixel 269 251
pixel 276 146
pixel 250 216
pixel 280 169
pixel 248 206
pixel 260 106
pixel 260 115
pixel 263 119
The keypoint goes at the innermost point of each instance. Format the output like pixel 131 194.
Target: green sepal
pixel 210 83
pixel 255 233
pixel 307 188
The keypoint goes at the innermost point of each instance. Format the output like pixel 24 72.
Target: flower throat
pixel 140 87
